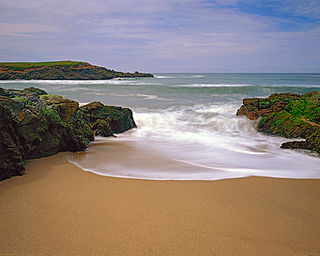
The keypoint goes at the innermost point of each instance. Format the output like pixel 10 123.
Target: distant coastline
pixel 60 70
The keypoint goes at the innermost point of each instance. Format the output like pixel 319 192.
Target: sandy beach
pixel 58 209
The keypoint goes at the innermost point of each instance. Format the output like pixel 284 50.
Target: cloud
pixel 9 29
pixel 166 35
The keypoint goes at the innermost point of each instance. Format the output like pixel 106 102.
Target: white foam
pixel 294 85
pixel 81 82
pixel 183 77
pixel 213 85
pixel 202 142
pixel 140 95
pixel 193 76
pixel 162 77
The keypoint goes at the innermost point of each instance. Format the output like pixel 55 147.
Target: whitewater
pixel 187 127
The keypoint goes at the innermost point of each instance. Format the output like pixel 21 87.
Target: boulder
pixel 119 119
pixel 289 115
pixel 11 151
pixel 39 128
pixel 34 124
pixel 102 128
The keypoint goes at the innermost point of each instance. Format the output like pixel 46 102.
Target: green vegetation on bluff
pixel 60 70
pixel 24 65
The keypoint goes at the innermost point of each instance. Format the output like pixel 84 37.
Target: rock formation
pixel 62 70
pixel 34 124
pixel 289 115
pixel 106 119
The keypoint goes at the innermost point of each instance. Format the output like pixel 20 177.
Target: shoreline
pixel 58 209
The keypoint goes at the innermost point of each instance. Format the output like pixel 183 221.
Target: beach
pixel 58 209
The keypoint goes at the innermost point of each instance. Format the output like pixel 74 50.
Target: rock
pixel 3 92
pixel 295 145
pixel 313 141
pixel 102 128
pixel 42 128
pixel 34 124
pixel 256 107
pixel 119 119
pixel 65 107
pixel 11 152
pixel 33 90
pixel 289 115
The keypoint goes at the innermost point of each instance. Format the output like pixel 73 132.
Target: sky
pixel 165 35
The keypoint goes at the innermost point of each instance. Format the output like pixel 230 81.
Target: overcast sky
pixel 165 35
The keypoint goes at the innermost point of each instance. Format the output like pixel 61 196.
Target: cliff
pixel 60 70
pixel 34 124
pixel 288 115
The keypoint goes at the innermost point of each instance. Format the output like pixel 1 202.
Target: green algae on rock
pixel 34 124
pixel 119 119
pixel 60 70
pixel 288 115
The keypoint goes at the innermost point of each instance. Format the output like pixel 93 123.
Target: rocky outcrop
pixel 289 115
pixel 118 119
pixel 34 124
pixel 65 70
pixel 11 153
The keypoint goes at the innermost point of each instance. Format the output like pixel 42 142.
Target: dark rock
pixel 34 124
pixel 11 156
pixel 313 141
pixel 33 90
pixel 3 92
pixel 295 145
pixel 43 128
pixel 102 128
pixel 119 119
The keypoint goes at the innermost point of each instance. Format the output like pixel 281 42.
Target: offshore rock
pixel 289 115
pixel 34 124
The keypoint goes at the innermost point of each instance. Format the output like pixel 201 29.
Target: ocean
pixel 187 127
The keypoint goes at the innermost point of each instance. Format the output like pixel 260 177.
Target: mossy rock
pixel 51 97
pixel 289 115
pixel 34 124
pixel 11 150
pixel 118 118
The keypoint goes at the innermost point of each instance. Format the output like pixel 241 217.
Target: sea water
pixel 187 127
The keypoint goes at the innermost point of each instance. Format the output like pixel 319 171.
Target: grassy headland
pixel 60 70
pixel 25 65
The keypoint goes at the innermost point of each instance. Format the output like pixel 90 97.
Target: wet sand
pixel 58 209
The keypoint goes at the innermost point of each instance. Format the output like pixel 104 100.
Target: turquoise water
pixel 187 128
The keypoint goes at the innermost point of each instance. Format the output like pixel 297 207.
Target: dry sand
pixel 57 209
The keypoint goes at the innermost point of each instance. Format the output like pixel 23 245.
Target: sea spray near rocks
pixel 194 143
pixel 193 126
